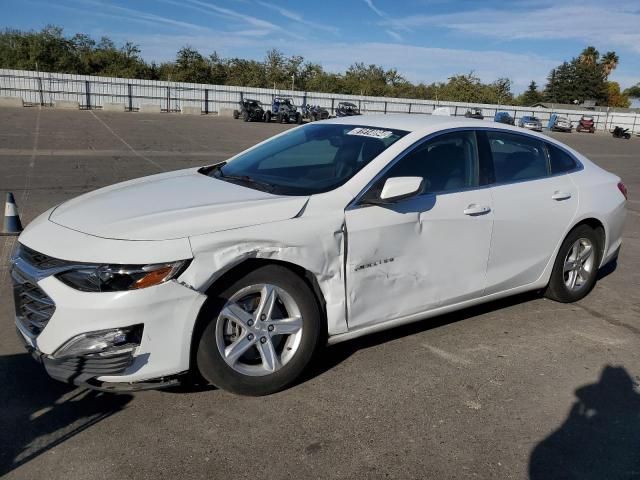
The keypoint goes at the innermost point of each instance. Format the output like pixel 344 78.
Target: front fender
pixel 314 244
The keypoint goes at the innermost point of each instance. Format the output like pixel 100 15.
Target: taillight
pixel 623 190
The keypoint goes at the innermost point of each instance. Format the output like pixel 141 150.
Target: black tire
pixel 279 118
pixel 298 118
pixel 245 116
pixel 214 368
pixel 267 117
pixel 236 114
pixel 557 289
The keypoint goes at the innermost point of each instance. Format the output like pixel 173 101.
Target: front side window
pixel 448 162
pixel 313 159
pixel 516 157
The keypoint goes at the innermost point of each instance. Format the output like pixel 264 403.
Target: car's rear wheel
pixel 576 267
pixel 259 333
pixel 267 117
pixel 245 116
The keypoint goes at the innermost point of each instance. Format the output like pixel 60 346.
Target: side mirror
pixel 398 188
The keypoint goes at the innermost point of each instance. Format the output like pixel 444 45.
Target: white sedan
pixel 239 271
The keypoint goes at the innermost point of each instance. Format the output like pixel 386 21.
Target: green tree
pixel 609 62
pixel 615 98
pixel 191 66
pixel 531 96
pixel 634 91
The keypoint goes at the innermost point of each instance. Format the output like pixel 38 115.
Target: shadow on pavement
pixel 600 438
pixel 38 413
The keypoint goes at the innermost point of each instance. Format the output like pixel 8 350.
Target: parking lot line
pixel 124 142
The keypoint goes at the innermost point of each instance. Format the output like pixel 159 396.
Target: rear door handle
pixel 473 210
pixel 560 195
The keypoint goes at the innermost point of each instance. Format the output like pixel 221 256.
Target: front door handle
pixel 474 209
pixel 560 195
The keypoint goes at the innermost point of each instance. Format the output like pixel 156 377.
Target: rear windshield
pixel 312 159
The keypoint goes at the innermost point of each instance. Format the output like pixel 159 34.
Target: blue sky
pixel 426 40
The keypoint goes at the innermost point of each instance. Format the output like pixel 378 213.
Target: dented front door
pixel 416 255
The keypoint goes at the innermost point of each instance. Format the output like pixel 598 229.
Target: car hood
pixel 172 205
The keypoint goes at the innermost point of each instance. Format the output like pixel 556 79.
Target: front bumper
pixel 167 313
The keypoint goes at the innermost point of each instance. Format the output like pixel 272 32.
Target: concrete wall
pixel 11 102
pixel 94 92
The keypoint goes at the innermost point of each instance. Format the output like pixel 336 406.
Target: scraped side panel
pixel 313 243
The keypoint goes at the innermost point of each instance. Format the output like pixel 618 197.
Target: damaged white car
pixel 240 271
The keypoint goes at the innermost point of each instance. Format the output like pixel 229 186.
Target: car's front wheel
pixel 576 268
pixel 259 333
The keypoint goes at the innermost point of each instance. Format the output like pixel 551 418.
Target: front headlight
pixel 115 278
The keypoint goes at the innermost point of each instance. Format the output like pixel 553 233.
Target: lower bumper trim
pixel 151 384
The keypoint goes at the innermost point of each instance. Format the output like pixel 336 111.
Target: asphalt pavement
pixel 519 388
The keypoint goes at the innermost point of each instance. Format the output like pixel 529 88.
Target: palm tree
pixel 589 56
pixel 609 62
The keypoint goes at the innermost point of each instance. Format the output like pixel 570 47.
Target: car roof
pixel 427 124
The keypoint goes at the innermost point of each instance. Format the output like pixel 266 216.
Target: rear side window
pixel 516 157
pixel 561 161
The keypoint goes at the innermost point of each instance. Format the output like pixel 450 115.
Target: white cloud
pixel 395 35
pixel 587 21
pixel 428 64
pixel 376 10
pixel 296 17
pixel 123 13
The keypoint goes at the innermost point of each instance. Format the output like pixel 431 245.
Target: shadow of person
pixel 601 437
pixel 38 413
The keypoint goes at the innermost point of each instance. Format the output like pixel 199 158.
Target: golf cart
pixel 586 124
pixel 347 109
pixel 474 113
pixel 250 111
pixel 314 112
pixel 283 110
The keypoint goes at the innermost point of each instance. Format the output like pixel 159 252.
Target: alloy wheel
pixel 579 264
pixel 259 330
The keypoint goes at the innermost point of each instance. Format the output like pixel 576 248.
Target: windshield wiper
pixel 245 180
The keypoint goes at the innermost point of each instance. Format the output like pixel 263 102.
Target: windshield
pixel 312 159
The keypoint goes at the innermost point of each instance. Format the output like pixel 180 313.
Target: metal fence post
pixel 206 101
pixel 385 108
pixel 410 107
pixel 332 103
pixel 40 92
pixel 87 90
pixel 130 96
pixel 633 128
pixel 168 99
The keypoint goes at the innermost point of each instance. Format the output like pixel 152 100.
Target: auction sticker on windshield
pixel 370 132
